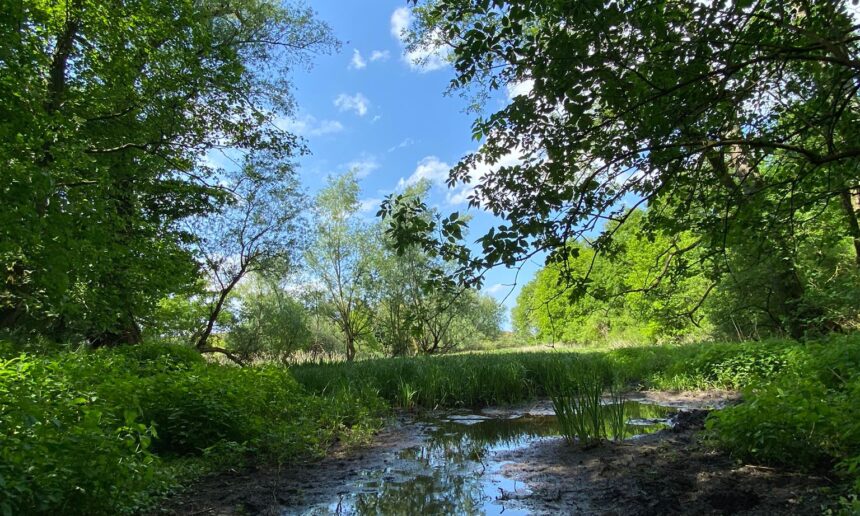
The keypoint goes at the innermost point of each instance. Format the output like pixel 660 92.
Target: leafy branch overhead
pixel 710 113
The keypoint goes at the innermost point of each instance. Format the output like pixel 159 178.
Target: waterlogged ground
pixel 457 468
pixel 512 461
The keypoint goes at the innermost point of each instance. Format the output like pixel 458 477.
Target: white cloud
pixel 462 191
pixel 370 205
pixel 400 20
pixel 423 58
pixel 363 166
pixel 308 125
pixel 436 172
pixel 430 168
pixel 375 119
pixel 357 103
pixel 495 289
pixel 520 88
pixel 357 62
pixel 379 55
pixel 405 143
pixel 460 196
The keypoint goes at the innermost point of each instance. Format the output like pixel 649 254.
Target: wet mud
pixel 511 460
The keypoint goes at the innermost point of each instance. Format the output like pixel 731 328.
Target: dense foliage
pixel 689 168
pixel 639 294
pixel 650 287
pixel 733 120
pixel 108 109
pixel 108 432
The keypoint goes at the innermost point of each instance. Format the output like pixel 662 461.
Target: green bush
pixel 108 432
pixel 807 416
pixel 66 448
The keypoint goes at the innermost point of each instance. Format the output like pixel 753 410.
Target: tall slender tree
pixel 259 231
pixel 340 259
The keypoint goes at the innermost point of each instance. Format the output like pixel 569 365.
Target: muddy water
pixel 456 468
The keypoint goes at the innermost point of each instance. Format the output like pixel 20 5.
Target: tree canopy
pixel 107 110
pixel 722 117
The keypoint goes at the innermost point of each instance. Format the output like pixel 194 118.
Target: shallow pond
pixel 457 468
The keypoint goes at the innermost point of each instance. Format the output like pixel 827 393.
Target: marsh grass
pixel 615 411
pixel 406 396
pixel 497 378
pixel 579 409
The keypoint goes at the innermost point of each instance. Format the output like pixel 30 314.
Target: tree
pixel 419 313
pixel 108 108
pixel 395 324
pixel 258 232
pixel 414 315
pixel 479 319
pixel 340 259
pixel 639 292
pixel 269 322
pixel 709 112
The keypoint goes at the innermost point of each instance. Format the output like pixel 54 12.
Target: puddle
pixel 457 468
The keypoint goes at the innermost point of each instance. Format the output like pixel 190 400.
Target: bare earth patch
pixel 670 472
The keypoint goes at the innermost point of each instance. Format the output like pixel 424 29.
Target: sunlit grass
pixel 492 378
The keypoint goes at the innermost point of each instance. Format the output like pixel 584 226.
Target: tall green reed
pixel 579 409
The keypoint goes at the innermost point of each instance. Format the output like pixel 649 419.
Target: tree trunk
pixel 216 311
pixel 350 347
pixel 60 59
pixel 851 205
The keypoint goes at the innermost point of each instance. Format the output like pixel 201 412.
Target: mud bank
pixel 511 461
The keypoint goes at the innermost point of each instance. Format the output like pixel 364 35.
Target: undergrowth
pixel 112 431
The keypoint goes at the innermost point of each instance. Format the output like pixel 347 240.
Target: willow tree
pixel 260 231
pixel 107 109
pixel 731 118
pixel 340 258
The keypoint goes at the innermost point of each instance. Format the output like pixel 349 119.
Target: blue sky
pixel 369 106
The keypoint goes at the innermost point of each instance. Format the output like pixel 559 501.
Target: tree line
pixel 272 290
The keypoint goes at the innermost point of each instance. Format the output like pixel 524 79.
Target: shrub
pixel 65 448
pixel 807 416
pixel 110 431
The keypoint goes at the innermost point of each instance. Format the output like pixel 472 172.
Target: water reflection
pixel 457 469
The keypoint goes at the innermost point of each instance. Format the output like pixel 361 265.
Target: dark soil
pixel 670 472
pixel 268 490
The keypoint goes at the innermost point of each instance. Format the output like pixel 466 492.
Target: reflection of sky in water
pixel 456 470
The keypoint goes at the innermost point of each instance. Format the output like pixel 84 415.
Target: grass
pixel 493 378
pixel 580 410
